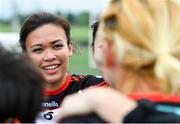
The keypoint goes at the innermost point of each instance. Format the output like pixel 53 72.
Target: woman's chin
pixel 52 79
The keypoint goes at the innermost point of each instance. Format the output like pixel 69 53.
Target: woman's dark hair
pixel 39 19
pixel 94 28
pixel 21 90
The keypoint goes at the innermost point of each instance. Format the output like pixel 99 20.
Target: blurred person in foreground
pixel 141 60
pixel 21 89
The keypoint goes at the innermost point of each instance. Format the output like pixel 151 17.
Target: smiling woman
pixel 50 53
pixel 45 39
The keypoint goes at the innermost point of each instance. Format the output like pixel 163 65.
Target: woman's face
pixel 101 51
pixel 98 52
pixel 47 47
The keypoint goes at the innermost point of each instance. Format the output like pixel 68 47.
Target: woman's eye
pixel 58 46
pixel 37 50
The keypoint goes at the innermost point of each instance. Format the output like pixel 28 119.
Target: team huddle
pixel 135 46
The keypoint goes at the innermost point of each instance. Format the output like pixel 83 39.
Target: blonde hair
pixel 146 32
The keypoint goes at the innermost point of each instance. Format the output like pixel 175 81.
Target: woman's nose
pixel 49 56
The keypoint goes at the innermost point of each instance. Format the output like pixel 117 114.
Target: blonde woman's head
pixel 146 36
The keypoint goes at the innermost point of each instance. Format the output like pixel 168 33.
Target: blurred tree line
pixel 77 19
pixel 81 19
pixel 79 25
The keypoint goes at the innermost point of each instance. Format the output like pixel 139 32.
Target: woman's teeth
pixel 50 67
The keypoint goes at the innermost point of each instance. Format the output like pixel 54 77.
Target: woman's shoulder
pixel 87 75
pixel 89 80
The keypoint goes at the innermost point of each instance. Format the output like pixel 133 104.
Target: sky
pixel 8 7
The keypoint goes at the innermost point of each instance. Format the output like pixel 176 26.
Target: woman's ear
pixel 109 55
pixel 70 46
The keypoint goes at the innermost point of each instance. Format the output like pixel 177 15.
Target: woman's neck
pixel 55 85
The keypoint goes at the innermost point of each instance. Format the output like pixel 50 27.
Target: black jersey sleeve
pixel 146 112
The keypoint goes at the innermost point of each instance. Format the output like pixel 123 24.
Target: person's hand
pixel 109 104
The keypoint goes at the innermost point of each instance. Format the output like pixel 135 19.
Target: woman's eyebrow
pixel 34 45
pixel 55 41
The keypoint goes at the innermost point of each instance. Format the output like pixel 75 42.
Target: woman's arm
pixel 109 104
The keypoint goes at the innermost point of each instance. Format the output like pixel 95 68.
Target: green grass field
pixel 5 27
pixel 79 60
pixel 79 63
pixel 79 35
